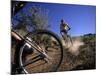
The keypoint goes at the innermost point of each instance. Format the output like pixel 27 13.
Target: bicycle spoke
pixel 49 55
pixel 32 61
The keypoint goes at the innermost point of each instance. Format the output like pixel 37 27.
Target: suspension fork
pixel 39 49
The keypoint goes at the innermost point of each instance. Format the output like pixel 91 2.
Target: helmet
pixel 62 20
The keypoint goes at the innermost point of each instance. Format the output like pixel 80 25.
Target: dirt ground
pixel 73 59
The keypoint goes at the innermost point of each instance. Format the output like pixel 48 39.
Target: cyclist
pixel 64 28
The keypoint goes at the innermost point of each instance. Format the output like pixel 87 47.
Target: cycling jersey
pixel 64 27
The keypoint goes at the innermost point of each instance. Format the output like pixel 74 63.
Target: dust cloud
pixel 74 47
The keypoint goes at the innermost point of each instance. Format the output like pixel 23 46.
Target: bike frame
pixel 32 44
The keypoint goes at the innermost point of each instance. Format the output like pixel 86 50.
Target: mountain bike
pixel 38 51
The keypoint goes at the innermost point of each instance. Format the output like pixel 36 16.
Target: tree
pixel 34 18
pixel 39 17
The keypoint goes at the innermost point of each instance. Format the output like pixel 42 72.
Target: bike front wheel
pixel 35 62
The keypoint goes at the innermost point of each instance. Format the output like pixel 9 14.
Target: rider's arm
pixel 68 27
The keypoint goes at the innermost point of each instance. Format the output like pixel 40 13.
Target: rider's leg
pixel 65 35
pixel 62 34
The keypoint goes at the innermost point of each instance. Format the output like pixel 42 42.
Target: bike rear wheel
pixel 69 41
pixel 35 62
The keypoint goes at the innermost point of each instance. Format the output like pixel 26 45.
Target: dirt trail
pixel 74 49
pixel 70 54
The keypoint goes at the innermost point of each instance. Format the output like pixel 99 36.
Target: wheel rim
pixel 54 54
